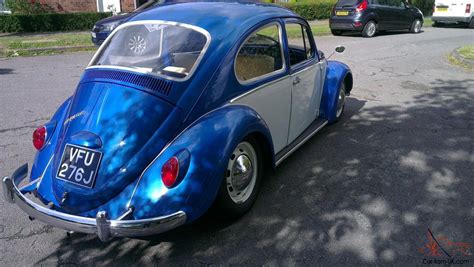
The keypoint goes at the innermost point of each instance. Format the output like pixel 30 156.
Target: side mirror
pixel 340 49
pixel 321 54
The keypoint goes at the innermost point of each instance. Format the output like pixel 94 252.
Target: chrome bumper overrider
pixel 104 228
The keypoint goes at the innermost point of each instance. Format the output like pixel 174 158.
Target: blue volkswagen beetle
pixel 190 115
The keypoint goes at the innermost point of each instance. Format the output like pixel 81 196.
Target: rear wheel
pixel 471 24
pixel 370 29
pixel 416 26
pixel 239 189
pixel 336 32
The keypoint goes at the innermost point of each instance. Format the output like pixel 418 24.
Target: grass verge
pixel 467 52
pixel 19 45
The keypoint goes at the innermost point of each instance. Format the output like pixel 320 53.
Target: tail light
pixel 170 171
pixel 362 6
pixel 333 10
pixel 468 8
pixel 39 137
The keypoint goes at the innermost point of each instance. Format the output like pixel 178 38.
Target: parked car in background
pixel 454 11
pixel 104 27
pixel 194 116
pixel 372 16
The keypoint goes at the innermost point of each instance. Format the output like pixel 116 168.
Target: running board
pixel 315 127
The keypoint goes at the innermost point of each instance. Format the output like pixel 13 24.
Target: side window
pixel 261 54
pixel 299 45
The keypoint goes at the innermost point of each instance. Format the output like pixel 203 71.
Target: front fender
pixel 336 73
pixel 208 143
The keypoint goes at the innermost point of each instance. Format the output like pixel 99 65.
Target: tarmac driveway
pixel 364 191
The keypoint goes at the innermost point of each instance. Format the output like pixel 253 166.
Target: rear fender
pixel 336 74
pixel 203 150
pixel 41 164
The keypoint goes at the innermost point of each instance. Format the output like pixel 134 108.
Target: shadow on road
pixel 363 191
pixel 6 71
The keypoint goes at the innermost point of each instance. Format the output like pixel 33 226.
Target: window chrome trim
pixel 261 77
pixel 143 22
pixel 313 54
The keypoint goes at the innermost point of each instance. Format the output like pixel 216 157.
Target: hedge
pixel 312 10
pixel 50 22
pixel 426 6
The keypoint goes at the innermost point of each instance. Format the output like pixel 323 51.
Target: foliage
pixel 426 6
pixel 50 22
pixel 26 7
pixel 312 10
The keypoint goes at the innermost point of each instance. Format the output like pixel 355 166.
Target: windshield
pixel 347 3
pixel 163 48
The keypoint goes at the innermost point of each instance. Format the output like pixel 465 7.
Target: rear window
pixel 162 48
pixel 344 3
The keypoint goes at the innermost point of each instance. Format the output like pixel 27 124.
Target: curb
pixel 464 61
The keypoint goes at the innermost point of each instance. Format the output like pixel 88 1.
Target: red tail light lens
pixel 39 137
pixel 468 8
pixel 170 171
pixel 362 6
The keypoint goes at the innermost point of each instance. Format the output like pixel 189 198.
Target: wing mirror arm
pixel 339 49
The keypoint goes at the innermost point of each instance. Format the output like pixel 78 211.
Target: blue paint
pixel 335 74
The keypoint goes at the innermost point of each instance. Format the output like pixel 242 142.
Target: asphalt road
pixel 363 191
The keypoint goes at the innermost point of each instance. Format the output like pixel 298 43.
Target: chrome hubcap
pixel 372 29
pixel 241 172
pixel 417 26
pixel 137 44
pixel 340 102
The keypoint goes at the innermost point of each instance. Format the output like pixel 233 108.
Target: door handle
pixel 296 80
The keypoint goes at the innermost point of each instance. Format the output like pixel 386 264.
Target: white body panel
pixel 453 10
pixel 306 99
pixel 273 102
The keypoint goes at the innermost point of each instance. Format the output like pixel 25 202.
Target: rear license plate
pixel 79 165
pixel 94 35
pixel 441 9
pixel 342 13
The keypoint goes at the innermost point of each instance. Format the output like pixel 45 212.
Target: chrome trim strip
pixel 280 160
pixel 305 69
pixel 261 77
pixel 143 22
pixel 106 229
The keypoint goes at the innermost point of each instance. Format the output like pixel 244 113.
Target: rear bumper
pixel 104 228
pixel 451 19
pixel 337 23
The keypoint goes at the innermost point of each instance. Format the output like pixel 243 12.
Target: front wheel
pixel 341 102
pixel 370 29
pixel 241 182
pixel 416 26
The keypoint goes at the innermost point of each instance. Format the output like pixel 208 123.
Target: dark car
pixel 372 16
pixel 104 27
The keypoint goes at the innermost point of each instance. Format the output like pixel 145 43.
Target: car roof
pixel 216 17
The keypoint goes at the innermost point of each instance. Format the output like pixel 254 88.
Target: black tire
pixel 416 26
pixel 438 24
pixel 224 206
pixel 336 32
pixel 342 94
pixel 471 24
pixel 370 29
